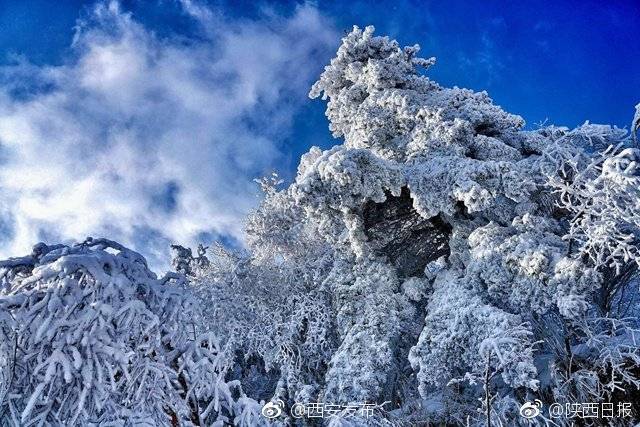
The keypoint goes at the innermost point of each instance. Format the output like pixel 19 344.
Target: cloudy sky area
pixel 147 122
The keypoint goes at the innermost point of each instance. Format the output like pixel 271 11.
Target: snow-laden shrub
pixel 99 339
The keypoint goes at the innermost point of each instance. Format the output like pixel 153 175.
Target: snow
pixel 439 257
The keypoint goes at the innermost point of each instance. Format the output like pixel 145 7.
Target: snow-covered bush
pixel 99 339
pixel 268 306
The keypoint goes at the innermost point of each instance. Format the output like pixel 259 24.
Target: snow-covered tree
pixel 438 241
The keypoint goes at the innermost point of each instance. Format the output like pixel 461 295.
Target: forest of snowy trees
pixel 440 263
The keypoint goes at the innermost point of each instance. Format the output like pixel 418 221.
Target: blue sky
pixel 147 121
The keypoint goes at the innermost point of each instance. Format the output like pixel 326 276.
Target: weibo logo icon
pixel 272 409
pixel 531 409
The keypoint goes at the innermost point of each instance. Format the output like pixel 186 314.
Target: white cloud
pixel 147 139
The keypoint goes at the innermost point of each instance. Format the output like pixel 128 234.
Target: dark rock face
pixel 402 235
